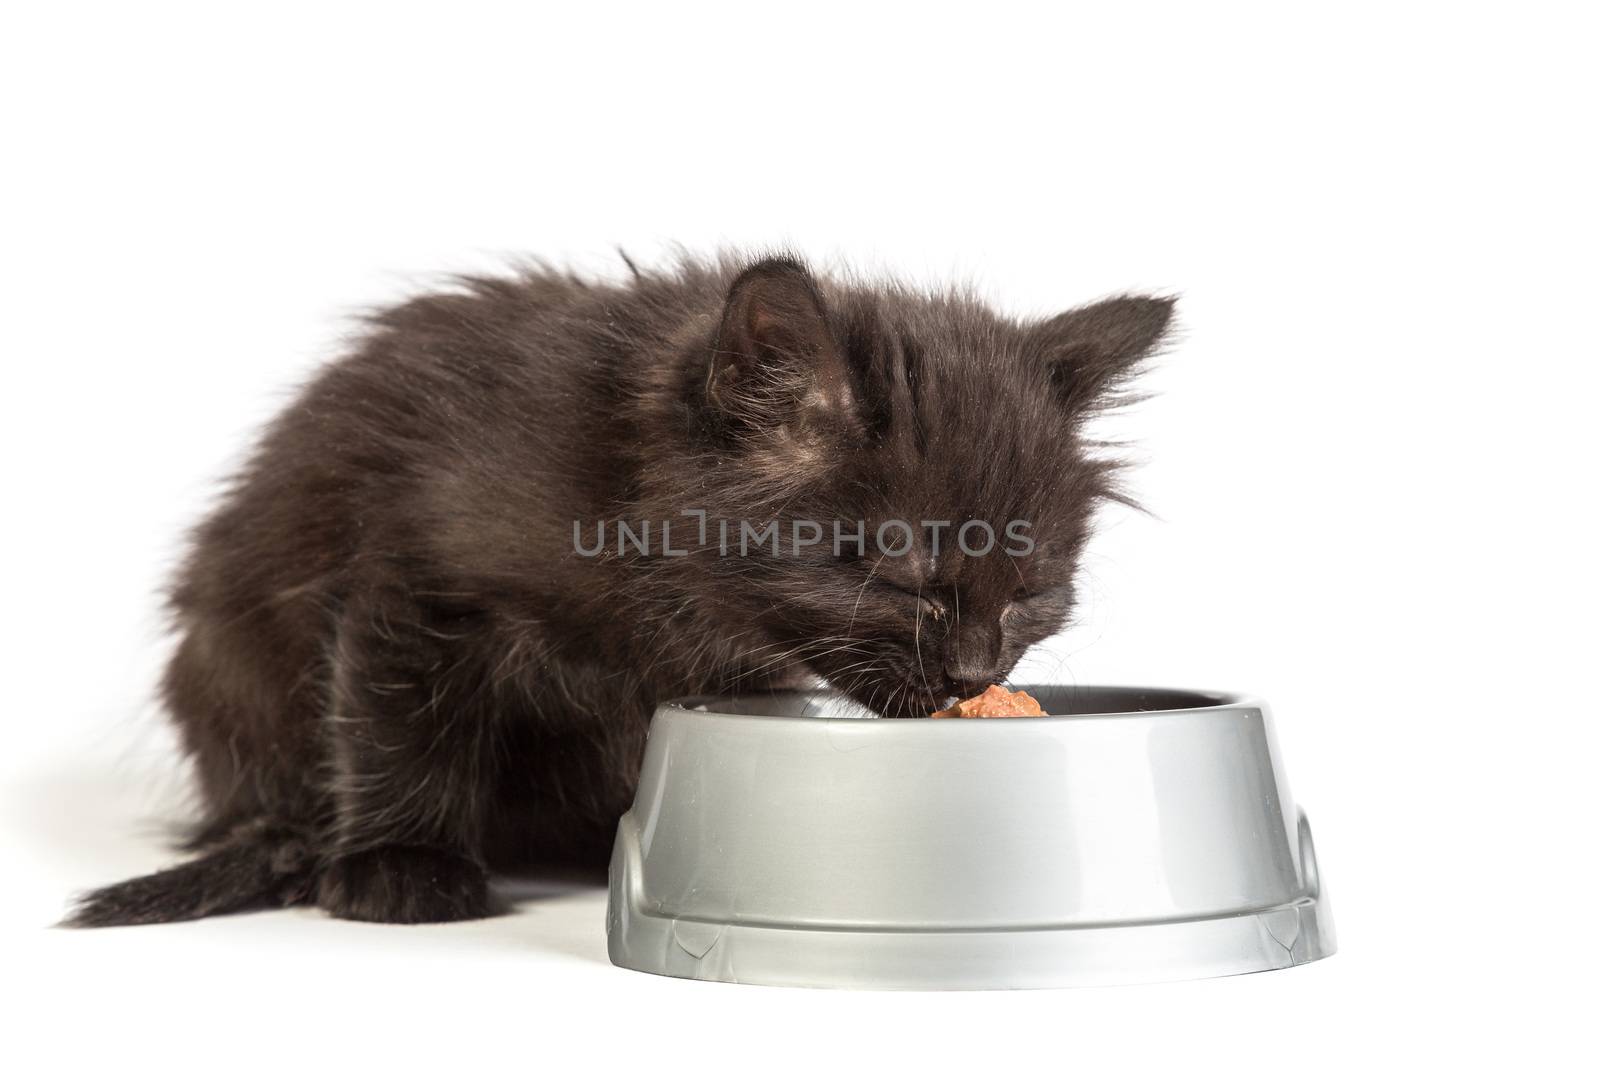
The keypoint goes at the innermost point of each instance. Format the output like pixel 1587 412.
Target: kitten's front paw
pixel 405 884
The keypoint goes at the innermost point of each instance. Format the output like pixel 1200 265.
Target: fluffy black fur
pixel 397 674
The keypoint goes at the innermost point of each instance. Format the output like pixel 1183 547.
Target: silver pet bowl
pixel 1132 835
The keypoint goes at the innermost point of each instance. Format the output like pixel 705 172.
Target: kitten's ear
pixel 1092 351
pixel 774 359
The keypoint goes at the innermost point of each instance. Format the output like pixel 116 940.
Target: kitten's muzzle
pixel 963 687
pixel 971 658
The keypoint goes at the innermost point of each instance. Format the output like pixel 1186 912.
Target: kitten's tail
pixel 257 864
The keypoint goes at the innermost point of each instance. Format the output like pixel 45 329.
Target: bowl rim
pixel 1215 701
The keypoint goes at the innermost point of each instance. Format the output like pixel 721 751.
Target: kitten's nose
pixel 970 657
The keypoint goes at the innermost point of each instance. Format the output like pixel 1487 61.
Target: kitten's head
pixel 951 439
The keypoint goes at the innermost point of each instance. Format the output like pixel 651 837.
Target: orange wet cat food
pixel 996 702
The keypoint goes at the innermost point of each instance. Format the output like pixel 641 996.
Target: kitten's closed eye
pixel 923 599
pixel 1035 599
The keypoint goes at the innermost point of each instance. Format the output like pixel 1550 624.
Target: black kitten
pixel 422 637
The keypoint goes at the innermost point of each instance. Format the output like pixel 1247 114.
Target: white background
pixel 1370 460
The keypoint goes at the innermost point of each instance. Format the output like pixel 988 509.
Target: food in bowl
pixel 995 702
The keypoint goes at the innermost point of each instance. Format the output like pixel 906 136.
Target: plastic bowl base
pixel 1010 958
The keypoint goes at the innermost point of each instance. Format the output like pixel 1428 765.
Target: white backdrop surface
pixel 1369 462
